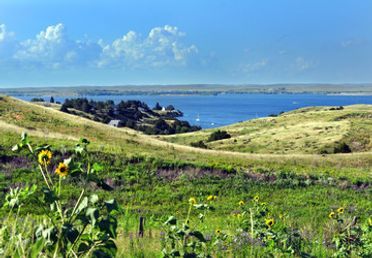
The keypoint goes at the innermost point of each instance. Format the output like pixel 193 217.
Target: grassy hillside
pixel 314 130
pixel 155 179
pixel 48 124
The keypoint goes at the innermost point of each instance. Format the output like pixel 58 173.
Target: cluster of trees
pixel 43 100
pixel 132 113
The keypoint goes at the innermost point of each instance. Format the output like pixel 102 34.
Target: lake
pixel 210 111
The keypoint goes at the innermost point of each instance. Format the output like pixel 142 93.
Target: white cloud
pixel 302 64
pixel 162 47
pixel 47 48
pixel 256 66
pixel 4 33
pixel 52 48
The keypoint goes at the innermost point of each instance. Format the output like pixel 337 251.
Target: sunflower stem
pixel 59 186
pixel 251 220
pixel 77 203
pixel 46 181
pixel 47 172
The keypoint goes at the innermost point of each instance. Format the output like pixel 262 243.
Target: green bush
pixel 199 144
pixel 218 135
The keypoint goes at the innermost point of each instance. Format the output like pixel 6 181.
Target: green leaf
pixel 16 147
pixel 109 226
pixel 70 232
pixel 24 137
pixel 83 204
pixel 49 196
pixel 84 141
pixel 92 215
pixel 111 205
pixel 79 149
pixel 67 161
pixel 171 221
pixel 83 247
pixel 198 235
pixel 97 167
pixel 93 198
pixel 36 248
pixel 106 250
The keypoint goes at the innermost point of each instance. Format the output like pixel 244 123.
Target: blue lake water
pixel 217 110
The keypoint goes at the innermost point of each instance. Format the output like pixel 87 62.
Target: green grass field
pixel 276 158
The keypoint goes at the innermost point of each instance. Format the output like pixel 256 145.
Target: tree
pixel 169 108
pixel 64 108
pixel 157 106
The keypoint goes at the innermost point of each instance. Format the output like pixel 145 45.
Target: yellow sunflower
pixel 44 157
pixel 241 203
pixel 62 169
pixel 340 210
pixel 256 198
pixel 332 215
pixel 270 222
pixel 192 200
pixel 218 231
pixel 211 198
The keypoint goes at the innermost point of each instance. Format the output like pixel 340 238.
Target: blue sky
pixel 187 41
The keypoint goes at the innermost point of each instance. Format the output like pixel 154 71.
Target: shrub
pixel 37 100
pixel 199 144
pixel 342 148
pixel 218 135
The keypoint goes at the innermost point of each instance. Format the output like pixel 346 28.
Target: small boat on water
pixel 197 118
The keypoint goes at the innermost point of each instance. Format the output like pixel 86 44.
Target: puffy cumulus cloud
pixel 5 34
pixel 161 47
pixel 7 45
pixel 52 48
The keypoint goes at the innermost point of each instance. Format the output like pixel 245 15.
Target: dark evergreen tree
pixel 157 106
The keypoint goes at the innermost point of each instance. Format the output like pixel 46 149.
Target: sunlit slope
pixel 315 130
pixel 47 125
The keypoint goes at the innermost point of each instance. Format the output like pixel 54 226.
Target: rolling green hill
pixel 314 130
pixel 45 124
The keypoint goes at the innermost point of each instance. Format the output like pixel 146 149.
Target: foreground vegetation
pixel 193 201
pixel 235 215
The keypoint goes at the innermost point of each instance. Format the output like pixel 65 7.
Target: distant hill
pixel 189 89
pixel 316 130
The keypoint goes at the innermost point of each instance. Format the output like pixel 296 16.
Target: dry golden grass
pixel 306 131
